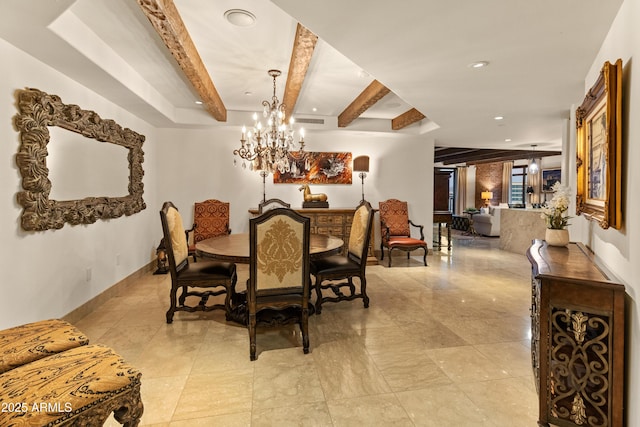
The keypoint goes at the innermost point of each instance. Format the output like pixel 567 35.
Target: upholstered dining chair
pixel 210 219
pixel 278 285
pixel 202 279
pixel 345 268
pixel 269 204
pixel 395 232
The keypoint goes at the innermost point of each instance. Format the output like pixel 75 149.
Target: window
pixel 518 184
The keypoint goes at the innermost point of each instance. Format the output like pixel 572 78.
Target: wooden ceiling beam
pixel 482 154
pixel 372 94
pixel 446 153
pixel 442 154
pixel 303 47
pixel 468 156
pixel 523 155
pixel 406 119
pixel 167 22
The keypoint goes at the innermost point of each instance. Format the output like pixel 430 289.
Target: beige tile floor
pixel 443 345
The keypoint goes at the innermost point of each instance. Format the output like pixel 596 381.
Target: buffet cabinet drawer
pixel 327 220
pixel 332 231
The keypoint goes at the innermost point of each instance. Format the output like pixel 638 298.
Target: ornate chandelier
pixel 267 148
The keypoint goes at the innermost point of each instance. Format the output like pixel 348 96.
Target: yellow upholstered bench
pixel 78 387
pixel 33 341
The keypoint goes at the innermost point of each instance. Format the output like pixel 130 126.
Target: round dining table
pixel 235 247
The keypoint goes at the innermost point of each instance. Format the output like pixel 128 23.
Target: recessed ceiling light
pixel 478 64
pixel 199 102
pixel 507 140
pixel 240 17
pixel 314 109
pixel 248 93
pixel 498 118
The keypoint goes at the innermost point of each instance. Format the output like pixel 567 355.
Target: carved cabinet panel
pixel 577 343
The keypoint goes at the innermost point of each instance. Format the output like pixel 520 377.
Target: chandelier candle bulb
pixel 269 149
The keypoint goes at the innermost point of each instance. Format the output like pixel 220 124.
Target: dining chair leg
pixel 172 306
pixel 231 291
pixel 304 327
pixel 252 336
pixel 318 284
pixel 183 295
pixel 363 291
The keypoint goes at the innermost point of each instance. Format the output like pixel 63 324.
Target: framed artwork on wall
pixel 308 167
pixel 549 178
pixel 599 149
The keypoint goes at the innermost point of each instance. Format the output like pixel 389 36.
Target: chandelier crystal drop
pixel 267 148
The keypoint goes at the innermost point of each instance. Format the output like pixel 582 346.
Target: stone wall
pixel 488 178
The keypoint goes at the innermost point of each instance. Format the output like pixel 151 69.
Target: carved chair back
pixel 394 216
pixel 210 219
pixel 267 205
pixel 360 234
pixel 175 240
pixel 279 276
pixel 279 252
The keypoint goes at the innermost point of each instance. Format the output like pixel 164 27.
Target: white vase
pixel 557 237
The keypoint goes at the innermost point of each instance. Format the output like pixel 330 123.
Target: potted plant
pixel 554 214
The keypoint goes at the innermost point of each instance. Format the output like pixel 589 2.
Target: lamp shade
pixel 487 195
pixel 361 164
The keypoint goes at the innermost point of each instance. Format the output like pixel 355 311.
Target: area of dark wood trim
pixel 470 156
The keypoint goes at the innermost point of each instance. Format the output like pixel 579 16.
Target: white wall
pixel 619 250
pixel 201 165
pixel 44 274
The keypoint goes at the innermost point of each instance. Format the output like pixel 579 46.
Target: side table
pixel 472 231
pixel 446 218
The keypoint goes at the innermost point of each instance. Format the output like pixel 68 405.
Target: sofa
pixel 487 222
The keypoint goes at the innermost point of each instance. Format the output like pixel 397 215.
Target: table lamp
pixel 361 164
pixel 486 196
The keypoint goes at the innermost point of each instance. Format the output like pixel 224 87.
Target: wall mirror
pixel 42 120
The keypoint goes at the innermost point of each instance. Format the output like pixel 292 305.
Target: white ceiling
pixel 538 52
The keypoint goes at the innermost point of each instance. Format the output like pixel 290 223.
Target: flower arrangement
pixel 555 208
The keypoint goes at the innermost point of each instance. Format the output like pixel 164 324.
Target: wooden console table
pixel 334 222
pixel 577 337
pixel 446 218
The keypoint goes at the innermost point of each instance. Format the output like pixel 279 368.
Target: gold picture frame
pixel 37 112
pixel 599 146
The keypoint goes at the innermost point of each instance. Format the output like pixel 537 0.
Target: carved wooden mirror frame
pixel 38 111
